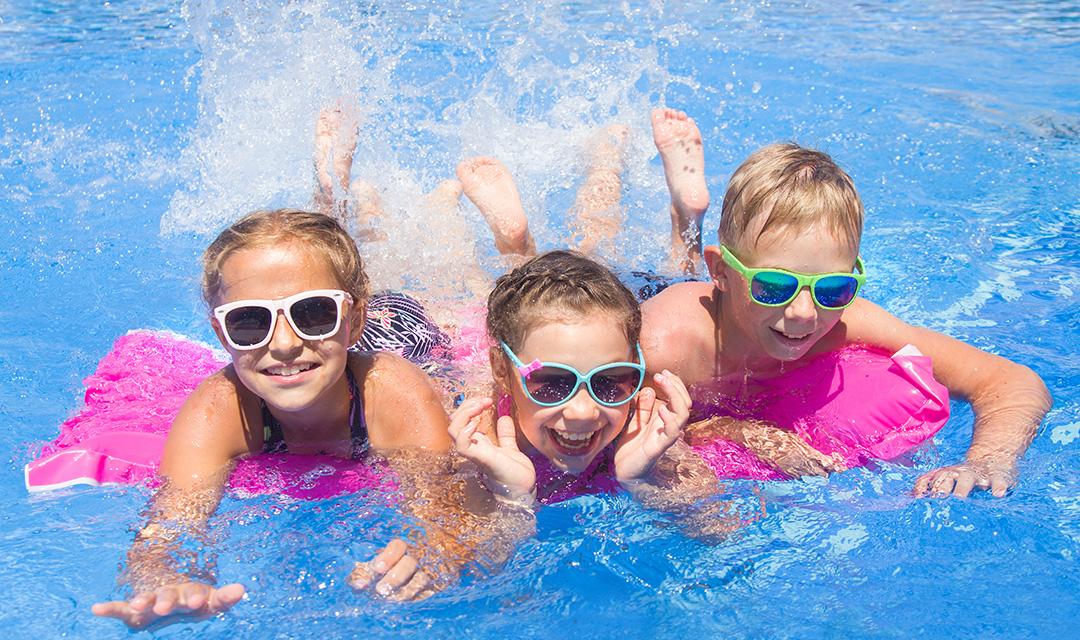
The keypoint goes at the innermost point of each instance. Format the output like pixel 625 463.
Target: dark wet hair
pixel 554 285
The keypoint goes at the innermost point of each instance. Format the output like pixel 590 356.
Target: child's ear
pixel 355 320
pixel 714 260
pixel 218 332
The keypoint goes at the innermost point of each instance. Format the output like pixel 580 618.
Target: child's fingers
pixel 506 433
pixel 646 405
pixel 465 421
pixel 671 421
pixel 361 576
pixel 943 484
pixel 364 574
pixel 466 413
pixel 112 609
pixel 142 601
pixel 677 395
pixel 193 596
pixel 417 588
pixel 999 485
pixel 390 555
pixel 165 600
pixel 964 484
pixel 225 597
pixel 397 577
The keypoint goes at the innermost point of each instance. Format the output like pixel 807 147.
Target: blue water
pixel 129 134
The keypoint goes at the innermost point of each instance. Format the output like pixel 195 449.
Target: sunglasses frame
pixel 525 369
pixel 804 280
pixel 284 305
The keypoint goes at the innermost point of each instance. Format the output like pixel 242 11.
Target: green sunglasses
pixel 777 287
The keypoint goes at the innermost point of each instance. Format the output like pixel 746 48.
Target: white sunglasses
pixel 313 315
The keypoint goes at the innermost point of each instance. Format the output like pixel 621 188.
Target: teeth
pixel 290 370
pixel 573 440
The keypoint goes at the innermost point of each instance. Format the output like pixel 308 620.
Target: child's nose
pixel 581 407
pixel 284 339
pixel 802 308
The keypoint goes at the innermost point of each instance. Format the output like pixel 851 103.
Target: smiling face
pixel 788 332
pixel 573 433
pixel 295 377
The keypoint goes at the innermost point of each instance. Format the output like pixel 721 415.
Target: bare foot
pixel 489 185
pixel 596 204
pixel 336 131
pixel 607 149
pixel 678 140
pixel 366 208
pixel 444 197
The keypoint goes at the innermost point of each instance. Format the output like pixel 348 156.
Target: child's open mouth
pixel 571 443
pixel 288 371
pixel 791 338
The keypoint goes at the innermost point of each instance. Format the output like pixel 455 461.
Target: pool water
pixel 130 134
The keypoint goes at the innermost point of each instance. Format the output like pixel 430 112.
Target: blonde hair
pixel 795 187
pixel 318 232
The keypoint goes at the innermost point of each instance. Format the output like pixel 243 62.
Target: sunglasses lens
pixel 835 291
pixel 550 385
pixel 315 316
pixel 615 385
pixel 773 287
pixel 248 325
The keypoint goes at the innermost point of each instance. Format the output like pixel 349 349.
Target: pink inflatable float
pixel 857 403
pixel 118 435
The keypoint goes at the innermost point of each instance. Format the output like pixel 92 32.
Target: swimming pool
pixel 130 133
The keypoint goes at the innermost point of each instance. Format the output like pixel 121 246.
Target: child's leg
pixel 364 209
pixel 595 208
pixel 489 185
pixel 444 201
pixel 356 205
pixel 679 141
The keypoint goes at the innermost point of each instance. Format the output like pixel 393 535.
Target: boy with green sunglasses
pixel 784 287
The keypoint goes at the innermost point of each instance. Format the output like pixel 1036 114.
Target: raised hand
pixel 509 472
pixel 656 426
pixel 395 574
pixel 180 602
pixel 996 475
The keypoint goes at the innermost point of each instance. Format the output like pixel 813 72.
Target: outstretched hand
pixel 656 426
pixel 509 472
pixel 395 573
pixel 998 476
pixel 185 601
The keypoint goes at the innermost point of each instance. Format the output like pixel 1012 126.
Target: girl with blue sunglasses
pixel 569 381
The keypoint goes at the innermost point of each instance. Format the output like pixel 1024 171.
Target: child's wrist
pixel 507 492
pixel 525 500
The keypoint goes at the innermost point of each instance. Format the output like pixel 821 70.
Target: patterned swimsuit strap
pixel 274 437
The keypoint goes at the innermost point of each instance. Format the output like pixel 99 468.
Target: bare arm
pixel 781 449
pixel 203 440
pixel 1009 400
pixel 459 523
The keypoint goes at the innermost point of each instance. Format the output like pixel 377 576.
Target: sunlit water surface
pixel 130 134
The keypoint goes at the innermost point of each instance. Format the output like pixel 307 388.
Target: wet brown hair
pixel 321 233
pixel 554 285
pixel 795 187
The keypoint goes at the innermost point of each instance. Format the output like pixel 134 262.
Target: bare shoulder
pixel 212 427
pixel 867 323
pixel 401 406
pixel 678 329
